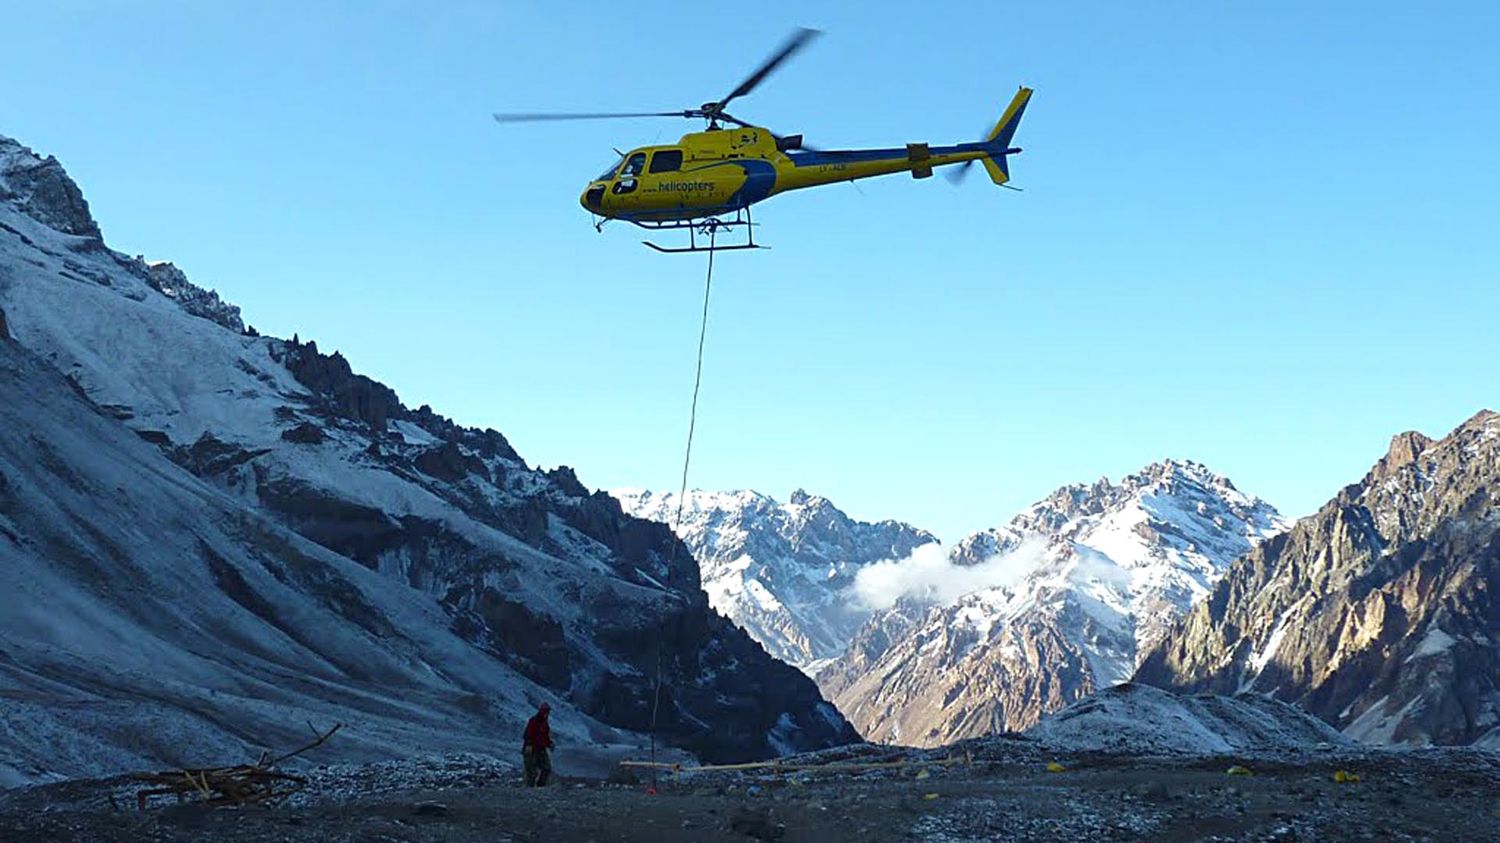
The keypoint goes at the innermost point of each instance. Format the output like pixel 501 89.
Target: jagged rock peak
pixel 566 480
pixel 174 284
pixel 1163 474
pixel 1406 447
pixel 1170 470
pixel 42 189
pixel 1168 478
pixel 348 395
pixel 808 500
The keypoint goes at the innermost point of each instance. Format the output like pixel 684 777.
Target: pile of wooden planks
pixel 247 784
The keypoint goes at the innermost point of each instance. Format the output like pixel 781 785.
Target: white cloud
pixel 928 574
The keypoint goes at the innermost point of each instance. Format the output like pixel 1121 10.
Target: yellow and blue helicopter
pixel 707 181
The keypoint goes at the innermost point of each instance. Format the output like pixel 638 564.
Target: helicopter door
pixel 633 167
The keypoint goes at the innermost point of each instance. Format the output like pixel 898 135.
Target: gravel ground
pixel 1005 794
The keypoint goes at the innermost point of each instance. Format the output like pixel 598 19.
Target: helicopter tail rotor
pixel 959 173
pixel 997 144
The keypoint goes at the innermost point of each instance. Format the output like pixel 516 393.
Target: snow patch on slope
pixel 1142 720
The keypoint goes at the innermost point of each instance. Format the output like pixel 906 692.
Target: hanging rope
pixel 687 455
pixel 687 458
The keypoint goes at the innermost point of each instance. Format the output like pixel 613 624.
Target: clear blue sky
pixel 1259 235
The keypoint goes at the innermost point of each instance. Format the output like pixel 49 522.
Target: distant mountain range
pixel 1100 572
pixel 1376 614
pixel 1069 592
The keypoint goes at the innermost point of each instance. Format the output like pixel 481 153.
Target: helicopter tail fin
pixel 1000 137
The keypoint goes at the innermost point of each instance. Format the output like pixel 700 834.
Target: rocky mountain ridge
pixel 1378 613
pixel 528 569
pixel 781 571
pixel 1087 579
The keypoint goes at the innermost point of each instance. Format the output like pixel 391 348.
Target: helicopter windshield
pixel 613 168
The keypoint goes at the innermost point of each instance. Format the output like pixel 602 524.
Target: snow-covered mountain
pixel 780 570
pixel 1086 581
pixel 1380 613
pixel 208 536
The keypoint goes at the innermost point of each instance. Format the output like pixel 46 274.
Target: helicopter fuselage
pixel 725 170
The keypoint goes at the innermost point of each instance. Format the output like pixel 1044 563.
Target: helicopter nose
pixel 593 198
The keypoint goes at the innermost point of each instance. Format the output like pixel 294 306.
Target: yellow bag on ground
pixel 1237 770
pixel 1054 767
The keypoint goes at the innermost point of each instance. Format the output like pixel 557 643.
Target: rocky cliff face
pixel 781 571
pixel 527 568
pixel 1379 613
pixel 41 189
pixel 1084 581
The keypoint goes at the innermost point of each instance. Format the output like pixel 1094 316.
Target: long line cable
pixel 687 458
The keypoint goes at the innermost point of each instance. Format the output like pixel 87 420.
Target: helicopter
pixel 707 181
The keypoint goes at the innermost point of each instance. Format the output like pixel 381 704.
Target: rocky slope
pixel 781 571
pixel 1379 613
pixel 1087 579
pixel 333 512
pixel 149 618
pixel 1140 764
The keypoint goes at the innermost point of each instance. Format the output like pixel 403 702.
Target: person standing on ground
pixel 535 758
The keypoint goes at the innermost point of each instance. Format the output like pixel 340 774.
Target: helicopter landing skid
pixel 710 228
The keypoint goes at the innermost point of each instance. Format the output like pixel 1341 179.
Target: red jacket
pixel 538 733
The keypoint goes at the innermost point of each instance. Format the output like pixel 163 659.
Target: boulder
pixel 305 433
pixel 448 462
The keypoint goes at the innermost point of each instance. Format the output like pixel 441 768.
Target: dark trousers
pixel 538 766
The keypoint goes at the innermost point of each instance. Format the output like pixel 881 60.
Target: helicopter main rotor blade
pixel 799 39
pixel 533 118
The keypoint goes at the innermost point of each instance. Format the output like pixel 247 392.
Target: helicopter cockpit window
pixel 666 161
pixel 633 167
pixel 610 173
